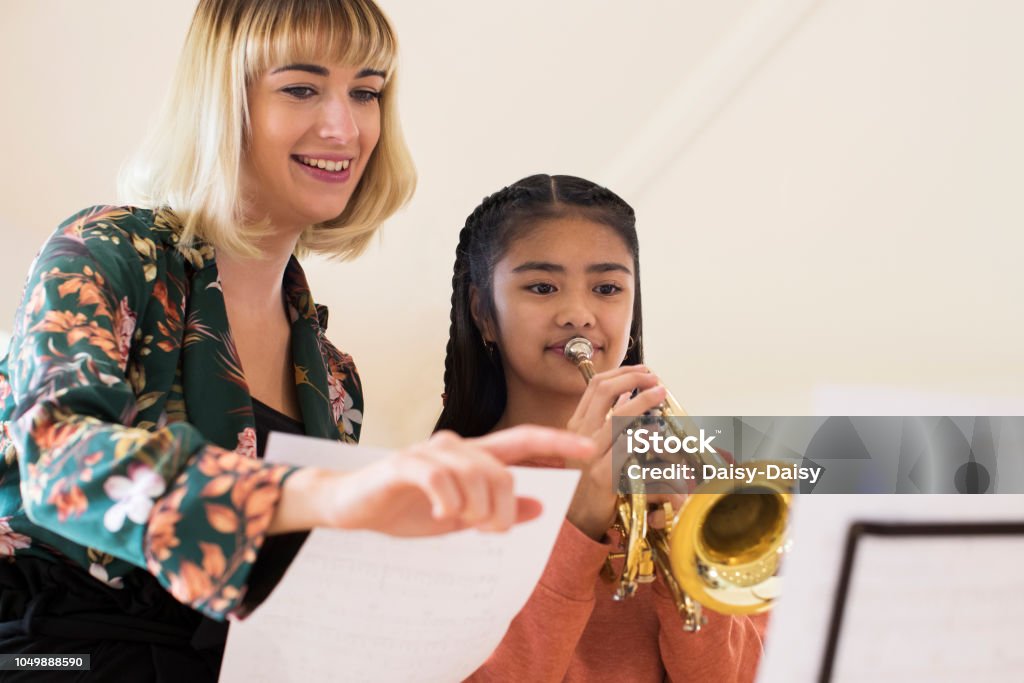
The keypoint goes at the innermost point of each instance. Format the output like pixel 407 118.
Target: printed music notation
pixel 900 588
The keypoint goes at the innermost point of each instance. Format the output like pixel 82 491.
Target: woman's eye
pixel 365 96
pixel 299 92
pixel 541 288
pixel 607 289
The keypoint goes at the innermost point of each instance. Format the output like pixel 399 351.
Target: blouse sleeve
pixel 193 514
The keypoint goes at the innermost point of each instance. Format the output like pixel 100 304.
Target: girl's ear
pixel 482 321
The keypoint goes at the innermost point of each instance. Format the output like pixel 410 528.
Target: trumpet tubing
pixel 721 550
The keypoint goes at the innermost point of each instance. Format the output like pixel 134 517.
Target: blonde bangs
pixel 314 31
pixel 191 160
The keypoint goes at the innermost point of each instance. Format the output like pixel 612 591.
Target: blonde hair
pixel 191 160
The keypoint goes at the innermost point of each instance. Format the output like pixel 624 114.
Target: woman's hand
pixel 592 510
pixel 444 484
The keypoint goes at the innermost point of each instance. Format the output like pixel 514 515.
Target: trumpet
pixel 722 549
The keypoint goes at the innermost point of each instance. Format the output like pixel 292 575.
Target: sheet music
pixel 363 606
pixel 914 606
pixel 934 609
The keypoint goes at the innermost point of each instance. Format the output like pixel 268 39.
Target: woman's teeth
pixel 324 164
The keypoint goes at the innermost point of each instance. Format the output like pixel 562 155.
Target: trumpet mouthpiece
pixel 579 349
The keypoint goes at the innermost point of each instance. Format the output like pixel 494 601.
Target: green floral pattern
pixel 126 427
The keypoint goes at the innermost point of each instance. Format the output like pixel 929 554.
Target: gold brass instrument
pixel 723 548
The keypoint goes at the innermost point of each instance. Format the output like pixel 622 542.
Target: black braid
pixel 473 359
pixel 474 383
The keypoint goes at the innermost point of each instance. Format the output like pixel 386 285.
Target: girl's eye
pixel 365 96
pixel 607 289
pixel 299 92
pixel 542 288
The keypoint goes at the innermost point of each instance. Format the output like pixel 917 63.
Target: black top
pixel 269 420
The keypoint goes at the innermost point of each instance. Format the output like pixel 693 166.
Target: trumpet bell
pixel 727 542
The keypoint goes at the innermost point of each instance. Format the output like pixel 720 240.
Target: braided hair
pixel 474 380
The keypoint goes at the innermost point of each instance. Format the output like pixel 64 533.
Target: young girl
pixel 539 262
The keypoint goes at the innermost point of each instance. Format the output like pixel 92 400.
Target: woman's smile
pixel 314 129
pixel 325 168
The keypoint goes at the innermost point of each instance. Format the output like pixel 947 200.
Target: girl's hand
pixel 592 510
pixel 656 508
pixel 444 484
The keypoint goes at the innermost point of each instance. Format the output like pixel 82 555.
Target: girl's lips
pixel 560 348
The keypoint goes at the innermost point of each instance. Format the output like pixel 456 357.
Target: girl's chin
pixel 563 383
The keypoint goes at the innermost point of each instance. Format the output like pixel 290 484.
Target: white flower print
pixel 338 395
pixel 246 443
pixel 133 494
pixel 125 329
pixel 98 571
pixel 341 405
pixel 11 540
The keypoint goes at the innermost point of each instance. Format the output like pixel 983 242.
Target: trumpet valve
pixel 692 614
pixel 645 572
pixel 670 516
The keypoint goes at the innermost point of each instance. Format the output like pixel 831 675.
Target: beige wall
pixel 825 189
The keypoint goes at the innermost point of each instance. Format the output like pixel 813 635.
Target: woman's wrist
pixel 304 502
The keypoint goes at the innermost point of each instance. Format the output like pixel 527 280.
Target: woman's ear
pixel 482 321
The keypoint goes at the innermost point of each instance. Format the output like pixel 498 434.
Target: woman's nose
pixel 338 122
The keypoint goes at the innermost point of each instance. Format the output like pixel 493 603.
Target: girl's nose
pixel 575 313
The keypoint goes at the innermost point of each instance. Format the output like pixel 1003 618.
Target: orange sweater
pixel 572 630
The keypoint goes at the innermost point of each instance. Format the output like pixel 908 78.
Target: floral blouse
pixel 126 427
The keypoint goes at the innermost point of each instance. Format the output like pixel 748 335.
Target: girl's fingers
pixel 631 407
pixel 638 405
pixel 591 414
pixel 605 391
pixel 598 379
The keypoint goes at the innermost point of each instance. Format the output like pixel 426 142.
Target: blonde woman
pixel 158 343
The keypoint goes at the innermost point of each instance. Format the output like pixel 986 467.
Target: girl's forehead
pixel 571 237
